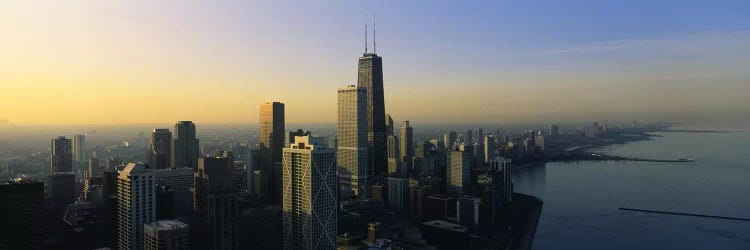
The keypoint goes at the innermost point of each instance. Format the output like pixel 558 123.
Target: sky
pixel 140 62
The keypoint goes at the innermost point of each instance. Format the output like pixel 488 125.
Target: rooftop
pixel 135 167
pixel 167 225
pixel 446 225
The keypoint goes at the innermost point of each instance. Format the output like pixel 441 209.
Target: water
pixel 581 199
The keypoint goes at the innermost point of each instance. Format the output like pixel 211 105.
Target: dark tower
pixel 184 146
pixel 371 78
pixel 271 144
pixel 61 159
pixel 21 212
pixel 160 150
pixel 215 207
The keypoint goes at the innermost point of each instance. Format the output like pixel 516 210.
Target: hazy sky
pixel 115 62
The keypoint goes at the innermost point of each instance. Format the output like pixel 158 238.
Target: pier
pixel 685 214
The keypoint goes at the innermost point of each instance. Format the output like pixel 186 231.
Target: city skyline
pixel 467 125
pixel 515 68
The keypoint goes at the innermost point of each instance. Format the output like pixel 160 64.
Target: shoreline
pixel 698 131
pixel 588 148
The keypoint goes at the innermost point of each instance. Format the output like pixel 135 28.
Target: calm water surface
pixel 581 199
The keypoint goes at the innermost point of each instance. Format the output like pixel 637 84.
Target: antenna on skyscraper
pixel 374 46
pixel 365 34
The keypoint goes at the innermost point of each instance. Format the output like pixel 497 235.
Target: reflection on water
pixel 581 199
pixel 531 179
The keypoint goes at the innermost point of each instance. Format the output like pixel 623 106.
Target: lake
pixel 581 199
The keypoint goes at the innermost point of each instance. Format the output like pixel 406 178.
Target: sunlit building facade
pixel 310 193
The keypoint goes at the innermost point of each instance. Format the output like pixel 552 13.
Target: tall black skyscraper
pixel 272 129
pixel 371 78
pixel 61 159
pixel 184 146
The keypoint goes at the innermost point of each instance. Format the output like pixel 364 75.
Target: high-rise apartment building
pixel 61 159
pixel 184 145
pixel 352 157
pixel 160 149
pixel 166 235
pixel 310 194
pixel 136 201
pixel 215 203
pixel 370 76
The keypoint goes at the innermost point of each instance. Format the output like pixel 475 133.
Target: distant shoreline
pixel 587 148
pixel 698 131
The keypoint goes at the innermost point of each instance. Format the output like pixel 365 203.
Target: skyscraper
pixel 95 168
pixel 62 191
pixel 489 148
pixel 371 78
pixel 394 152
pixel 292 134
pixel 180 180
pixel 459 172
pixel 479 135
pixel 554 131
pixel 272 129
pixel 215 208
pixel 271 144
pixel 468 137
pixel 407 144
pixel 310 190
pixel 388 125
pixel 450 139
pixel 398 194
pixel 160 149
pixel 136 201
pixel 80 156
pixel 502 180
pixel 21 211
pixel 352 135
pixel 61 159
pixel 166 235
pixel 254 171
pixel 184 146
